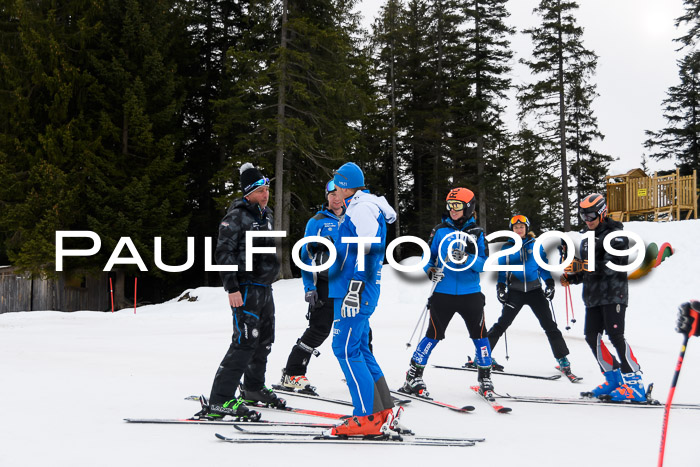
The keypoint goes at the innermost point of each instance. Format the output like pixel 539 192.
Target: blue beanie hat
pixel 349 176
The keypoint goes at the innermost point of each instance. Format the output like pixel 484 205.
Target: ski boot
pixel 372 425
pixel 234 407
pixel 264 396
pixel 631 390
pixel 414 381
pixel 613 380
pixel 565 367
pixel 298 383
pixel 485 383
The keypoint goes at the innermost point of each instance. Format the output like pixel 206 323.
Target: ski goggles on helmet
pixel 519 219
pixel 330 187
pixel 253 186
pixel 588 216
pixel 455 205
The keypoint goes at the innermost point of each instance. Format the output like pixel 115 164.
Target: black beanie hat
pixel 250 175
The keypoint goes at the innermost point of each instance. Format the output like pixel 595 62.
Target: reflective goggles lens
pixel 518 219
pixel 259 183
pixel 455 205
pixel 330 186
pixel 588 216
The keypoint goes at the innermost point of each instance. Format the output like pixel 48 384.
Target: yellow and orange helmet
pixel 461 199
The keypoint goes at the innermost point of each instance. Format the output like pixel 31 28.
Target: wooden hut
pixel 659 198
pixel 67 292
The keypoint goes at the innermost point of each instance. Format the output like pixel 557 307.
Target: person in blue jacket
pixel 458 251
pixel 516 289
pixel 320 310
pixel 355 279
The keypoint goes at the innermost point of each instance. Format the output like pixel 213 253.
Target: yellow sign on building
pixel 642 192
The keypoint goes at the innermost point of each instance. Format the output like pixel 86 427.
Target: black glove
pixel 501 293
pixel 435 274
pixel 471 245
pixel 688 321
pixel 351 302
pixel 549 289
pixel 458 256
pixel 311 298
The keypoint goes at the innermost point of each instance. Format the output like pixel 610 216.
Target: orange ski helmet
pixel 461 199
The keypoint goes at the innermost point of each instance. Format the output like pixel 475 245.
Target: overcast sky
pixel 637 63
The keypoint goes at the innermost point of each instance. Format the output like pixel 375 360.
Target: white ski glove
pixel 351 302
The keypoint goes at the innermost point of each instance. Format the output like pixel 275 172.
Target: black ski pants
pixel 537 302
pixel 320 323
pixel 443 307
pixel 253 335
pixel 611 319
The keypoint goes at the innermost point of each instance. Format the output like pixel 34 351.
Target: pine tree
pixel 486 68
pixel 560 62
pixel 590 166
pixel 305 100
pixel 680 139
pixel 92 142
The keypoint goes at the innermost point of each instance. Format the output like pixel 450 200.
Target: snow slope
pixel 68 379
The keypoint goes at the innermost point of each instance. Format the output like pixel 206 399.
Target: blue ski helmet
pixel 349 175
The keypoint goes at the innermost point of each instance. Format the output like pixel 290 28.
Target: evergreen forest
pixel 132 119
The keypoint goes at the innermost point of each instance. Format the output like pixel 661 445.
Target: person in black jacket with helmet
pixel 605 295
pixel 250 297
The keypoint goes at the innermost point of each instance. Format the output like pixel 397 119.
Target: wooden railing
pixel 663 196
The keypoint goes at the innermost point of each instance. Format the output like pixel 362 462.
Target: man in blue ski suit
pixel 458 251
pixel 320 311
pixel 355 286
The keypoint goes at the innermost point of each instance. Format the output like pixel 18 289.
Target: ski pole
pixel 669 400
pixel 421 318
pixel 424 314
pixel 505 339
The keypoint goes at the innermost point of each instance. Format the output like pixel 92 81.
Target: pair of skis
pixel 273 436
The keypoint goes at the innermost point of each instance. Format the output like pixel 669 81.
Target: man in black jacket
pixel 250 297
pixel 605 296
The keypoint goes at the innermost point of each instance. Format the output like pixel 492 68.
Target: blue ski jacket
pixel 459 280
pixel 525 256
pixel 366 216
pixel 323 224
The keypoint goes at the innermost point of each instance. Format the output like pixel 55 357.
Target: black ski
pixel 504 373
pixel 225 422
pixel 387 440
pixel 464 409
pixel 492 402
pixel 271 432
pixel 314 413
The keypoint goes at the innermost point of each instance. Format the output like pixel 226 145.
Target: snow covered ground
pixel 67 380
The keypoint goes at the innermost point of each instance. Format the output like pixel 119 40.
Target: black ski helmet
pixel 593 207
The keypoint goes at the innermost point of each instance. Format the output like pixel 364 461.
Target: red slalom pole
pixel 671 392
pixel 135 279
pixel 111 293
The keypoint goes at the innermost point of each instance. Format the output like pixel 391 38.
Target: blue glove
pixel 351 302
